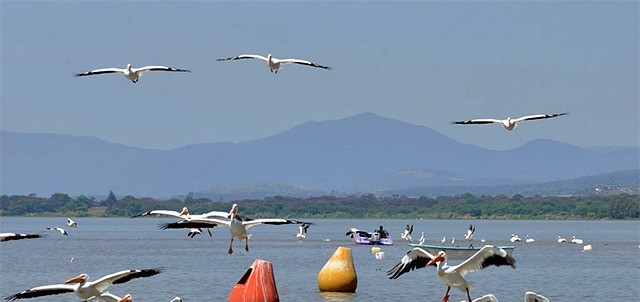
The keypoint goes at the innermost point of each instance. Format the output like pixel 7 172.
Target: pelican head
pixel 128 66
pixel 269 56
pixel 440 257
pixel 82 278
pixel 126 298
pixel 184 211
pixel 234 210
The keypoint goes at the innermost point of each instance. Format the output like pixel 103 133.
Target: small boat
pixel 373 238
pixel 458 252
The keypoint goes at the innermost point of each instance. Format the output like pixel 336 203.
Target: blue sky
pixel 425 63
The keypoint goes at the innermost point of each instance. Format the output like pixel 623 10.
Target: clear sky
pixel 425 63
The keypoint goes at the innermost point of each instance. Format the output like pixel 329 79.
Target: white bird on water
pixel 422 239
pixel 130 73
pixel 510 123
pixel 274 63
pixel 576 240
pixel 452 276
pixel 528 239
pixel 561 240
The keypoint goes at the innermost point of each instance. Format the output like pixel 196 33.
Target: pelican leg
pixel 231 246
pixel 209 231
pixel 468 296
pixel 246 244
pixel 446 295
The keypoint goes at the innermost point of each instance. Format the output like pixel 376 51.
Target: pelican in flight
pixel 130 73
pixel 510 123
pixel 184 214
pixel 61 230
pixel 71 223
pixel 83 289
pixel 406 235
pixel 237 224
pixel 453 276
pixel 302 233
pixel 274 63
pixel 15 236
pixel 470 231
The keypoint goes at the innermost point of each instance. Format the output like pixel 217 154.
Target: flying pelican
pixel 470 231
pixel 15 236
pixel 576 240
pixel 132 74
pixel 561 240
pixel 453 276
pixel 71 223
pixel 238 225
pixel 509 123
pixel 61 230
pixel 528 239
pixel 84 289
pixel 352 231
pixel 302 233
pixel 422 239
pixel 406 235
pixel 184 214
pixel 274 63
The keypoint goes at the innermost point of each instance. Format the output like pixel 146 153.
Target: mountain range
pixel 362 153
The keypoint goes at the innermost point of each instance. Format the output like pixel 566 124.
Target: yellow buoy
pixel 375 250
pixel 339 273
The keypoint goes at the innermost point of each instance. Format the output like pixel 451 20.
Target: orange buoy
pixel 257 284
pixel 339 273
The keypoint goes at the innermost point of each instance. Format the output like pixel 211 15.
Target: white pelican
pixel 528 239
pixel 84 289
pixel 274 63
pixel 406 235
pixel 61 230
pixel 15 236
pixel 443 240
pixel 533 297
pixel 509 123
pixel 132 74
pixel 576 240
pixel 109 297
pixel 486 298
pixel 302 233
pixel 453 241
pixel 238 225
pixel 470 231
pixel 351 231
pixel 422 239
pixel 514 238
pixel 561 240
pixel 71 223
pixel 453 276
pixel 184 214
pixel 587 248
pixel 194 231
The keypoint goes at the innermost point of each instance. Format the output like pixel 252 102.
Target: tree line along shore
pixel 368 206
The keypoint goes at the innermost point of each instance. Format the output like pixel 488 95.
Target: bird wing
pixel 104 297
pixel 13 236
pixel 122 277
pixel 478 121
pixel 537 117
pixel 40 291
pixel 486 256
pixel 302 62
pixel 99 71
pixel 158 68
pixel 245 56
pixel 216 214
pixel 415 258
pixel 194 223
pixel 159 212
pixel 275 221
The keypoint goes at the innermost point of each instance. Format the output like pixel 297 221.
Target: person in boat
pixel 383 233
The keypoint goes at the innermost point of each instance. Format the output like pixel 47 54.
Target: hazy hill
pixel 359 152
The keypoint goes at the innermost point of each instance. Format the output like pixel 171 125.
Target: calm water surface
pixel 199 269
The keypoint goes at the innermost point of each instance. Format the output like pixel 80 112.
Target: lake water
pixel 200 269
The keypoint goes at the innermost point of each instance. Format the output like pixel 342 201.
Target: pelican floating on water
pixel 82 288
pixel 561 240
pixel 130 73
pixel 514 238
pixel 238 225
pixel 528 239
pixel 16 236
pixel 274 63
pixel 453 276
pixel 576 240
pixel 510 123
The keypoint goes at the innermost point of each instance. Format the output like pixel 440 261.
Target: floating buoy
pixel 379 255
pixel 257 284
pixel 586 248
pixel 375 249
pixel 339 273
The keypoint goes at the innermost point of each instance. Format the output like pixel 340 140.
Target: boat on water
pixel 377 237
pixel 458 252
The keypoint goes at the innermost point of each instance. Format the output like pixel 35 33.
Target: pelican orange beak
pixel 76 279
pixel 437 258
pixel 234 209
pixel 185 211
pixel 126 298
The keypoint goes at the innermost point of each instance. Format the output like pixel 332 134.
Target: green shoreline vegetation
pixel 369 206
